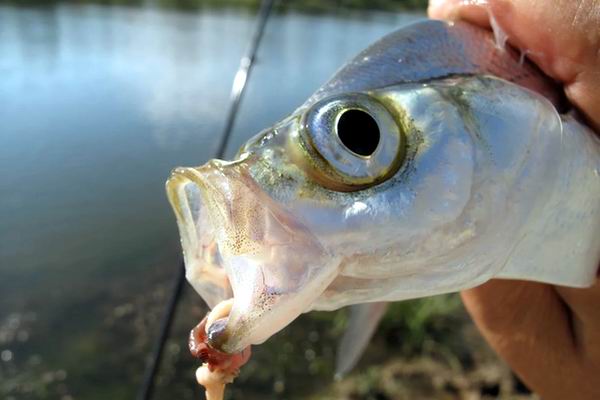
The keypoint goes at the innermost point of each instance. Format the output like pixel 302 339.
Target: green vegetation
pixel 425 348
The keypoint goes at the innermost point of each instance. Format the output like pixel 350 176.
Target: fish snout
pixel 239 243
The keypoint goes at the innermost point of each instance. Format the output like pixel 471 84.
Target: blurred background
pixel 99 100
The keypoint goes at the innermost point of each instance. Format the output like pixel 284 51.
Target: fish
pixel 433 161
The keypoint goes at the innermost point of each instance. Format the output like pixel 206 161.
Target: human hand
pixel 549 335
pixel 561 36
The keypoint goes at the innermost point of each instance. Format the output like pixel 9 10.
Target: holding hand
pixel 549 335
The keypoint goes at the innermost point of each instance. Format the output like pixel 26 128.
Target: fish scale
pixel 435 49
pixel 475 175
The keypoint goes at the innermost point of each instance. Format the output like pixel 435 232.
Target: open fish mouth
pixel 204 269
pixel 237 242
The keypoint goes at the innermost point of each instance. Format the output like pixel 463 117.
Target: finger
pixel 529 326
pixel 562 37
pixel 585 306
pixel 473 11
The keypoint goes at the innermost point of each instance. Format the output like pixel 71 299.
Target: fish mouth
pixel 239 243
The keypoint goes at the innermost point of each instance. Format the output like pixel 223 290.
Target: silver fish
pixel 432 162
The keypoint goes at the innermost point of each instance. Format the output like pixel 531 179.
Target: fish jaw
pixel 239 243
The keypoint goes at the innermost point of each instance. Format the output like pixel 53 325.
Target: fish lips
pixel 238 242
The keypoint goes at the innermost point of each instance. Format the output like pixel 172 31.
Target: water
pixel 97 105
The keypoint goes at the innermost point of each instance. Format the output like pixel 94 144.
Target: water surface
pixel 97 105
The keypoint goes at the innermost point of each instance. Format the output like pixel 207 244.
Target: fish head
pixel 378 191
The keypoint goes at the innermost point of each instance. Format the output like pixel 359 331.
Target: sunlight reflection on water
pixel 97 105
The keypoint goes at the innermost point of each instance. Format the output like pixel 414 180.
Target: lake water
pixel 97 105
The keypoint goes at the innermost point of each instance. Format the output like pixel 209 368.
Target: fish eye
pixel 358 131
pixel 351 142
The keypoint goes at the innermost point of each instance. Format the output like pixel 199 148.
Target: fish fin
pixel 364 319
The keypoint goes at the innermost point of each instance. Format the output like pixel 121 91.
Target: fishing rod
pixel 237 91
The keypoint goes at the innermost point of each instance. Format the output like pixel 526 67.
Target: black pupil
pixel 358 131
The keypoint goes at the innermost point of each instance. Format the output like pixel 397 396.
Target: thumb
pixel 562 37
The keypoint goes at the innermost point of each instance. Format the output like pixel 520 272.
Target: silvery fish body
pixel 432 162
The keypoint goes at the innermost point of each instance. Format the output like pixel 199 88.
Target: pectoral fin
pixel 363 321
